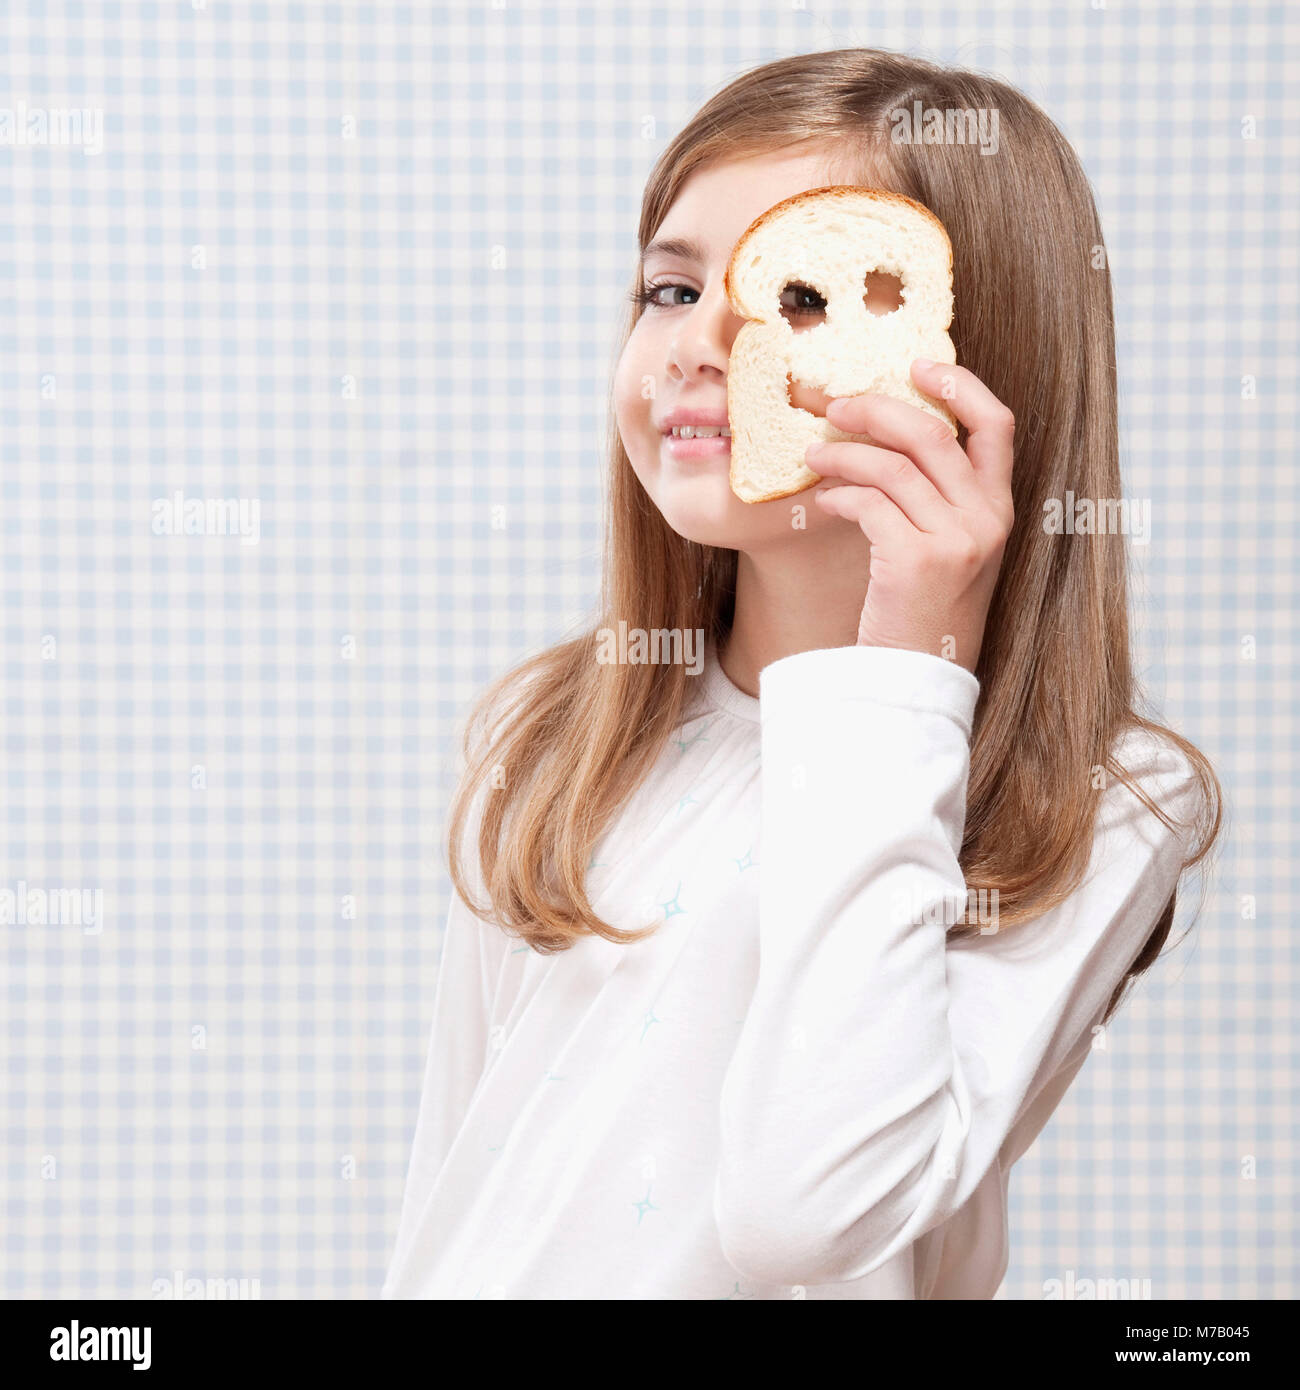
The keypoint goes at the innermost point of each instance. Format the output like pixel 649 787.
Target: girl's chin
pixel 716 516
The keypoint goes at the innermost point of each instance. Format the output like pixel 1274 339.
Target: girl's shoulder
pixel 1152 752
pixel 1153 761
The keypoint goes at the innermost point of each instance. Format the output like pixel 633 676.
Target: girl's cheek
pixel 636 380
pixel 627 391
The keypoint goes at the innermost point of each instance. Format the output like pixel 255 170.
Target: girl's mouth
pixel 697 441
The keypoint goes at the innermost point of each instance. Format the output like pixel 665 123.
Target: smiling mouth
pixel 696 442
pixel 699 432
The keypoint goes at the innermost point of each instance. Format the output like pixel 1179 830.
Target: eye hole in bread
pixel 802 306
pixel 843 288
pixel 883 293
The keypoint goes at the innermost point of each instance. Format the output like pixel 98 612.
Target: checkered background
pixel 362 263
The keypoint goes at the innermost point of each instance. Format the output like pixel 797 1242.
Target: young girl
pixel 706 1026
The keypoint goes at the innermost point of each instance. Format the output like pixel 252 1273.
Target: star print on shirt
pixel 643 1206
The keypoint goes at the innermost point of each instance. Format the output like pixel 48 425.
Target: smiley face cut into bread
pixel 829 240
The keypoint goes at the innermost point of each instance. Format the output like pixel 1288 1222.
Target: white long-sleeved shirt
pixel 797 1086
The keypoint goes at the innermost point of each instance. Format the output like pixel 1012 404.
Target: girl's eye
pixel 652 295
pixel 801 300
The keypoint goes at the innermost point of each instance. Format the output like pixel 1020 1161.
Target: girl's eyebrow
pixel 684 247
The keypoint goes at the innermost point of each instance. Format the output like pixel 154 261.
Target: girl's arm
pixel 879 1072
pixel 457 1053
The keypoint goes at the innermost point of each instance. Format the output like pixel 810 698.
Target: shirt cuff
pixel 913 680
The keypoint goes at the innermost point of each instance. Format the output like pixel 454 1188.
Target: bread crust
pixel 841 191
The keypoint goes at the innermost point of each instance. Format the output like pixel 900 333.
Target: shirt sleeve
pixel 457 1055
pixel 880 1070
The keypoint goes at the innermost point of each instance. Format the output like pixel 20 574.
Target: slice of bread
pixel 830 240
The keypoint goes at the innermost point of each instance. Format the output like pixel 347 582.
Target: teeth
pixel 700 432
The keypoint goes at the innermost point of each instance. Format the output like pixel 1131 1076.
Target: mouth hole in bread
pixel 882 293
pixel 808 399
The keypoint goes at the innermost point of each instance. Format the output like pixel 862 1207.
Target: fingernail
pixel 814 448
pixel 923 362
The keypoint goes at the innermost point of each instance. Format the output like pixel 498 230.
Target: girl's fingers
pixel 987 458
pixel 990 425
pixel 928 442
pixel 893 473
pixel 882 522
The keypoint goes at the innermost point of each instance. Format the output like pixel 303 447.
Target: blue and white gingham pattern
pixel 361 264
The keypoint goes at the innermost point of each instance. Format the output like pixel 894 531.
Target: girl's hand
pixel 937 516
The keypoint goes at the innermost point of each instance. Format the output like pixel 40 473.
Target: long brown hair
pixel 556 746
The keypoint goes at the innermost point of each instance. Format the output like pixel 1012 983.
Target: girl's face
pixel 675 362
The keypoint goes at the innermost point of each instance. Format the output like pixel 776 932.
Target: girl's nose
pixel 702 344
pixel 702 348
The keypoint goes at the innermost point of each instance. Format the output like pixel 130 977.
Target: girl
pixel 706 1026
